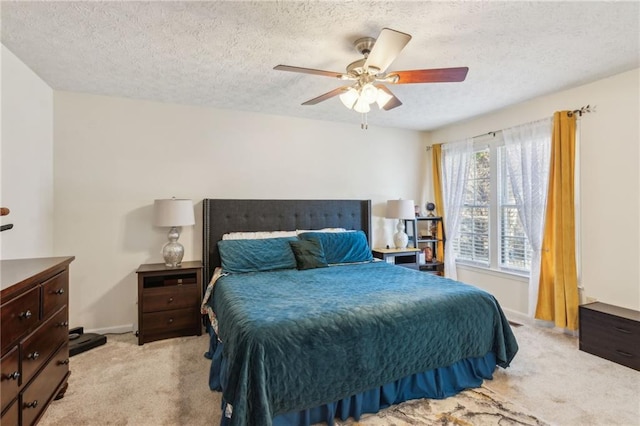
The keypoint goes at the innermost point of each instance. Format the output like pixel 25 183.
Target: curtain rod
pixel 492 133
pixel 583 110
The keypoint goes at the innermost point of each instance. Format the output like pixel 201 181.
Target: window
pixel 472 244
pixel 491 234
pixel 515 250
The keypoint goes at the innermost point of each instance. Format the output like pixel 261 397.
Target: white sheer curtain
pixel 456 157
pixel 528 156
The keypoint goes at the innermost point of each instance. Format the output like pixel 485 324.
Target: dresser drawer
pixel 598 327
pixel 55 294
pixel 38 347
pixel 169 298
pixel 9 377
pixel 19 316
pixel 177 319
pixel 42 390
pixel 11 415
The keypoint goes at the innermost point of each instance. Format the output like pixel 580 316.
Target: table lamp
pixel 401 210
pixel 173 213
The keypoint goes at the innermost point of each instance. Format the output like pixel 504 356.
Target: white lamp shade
pixel 349 97
pixel 361 106
pixel 383 98
pixel 173 212
pixel 369 93
pixel 400 209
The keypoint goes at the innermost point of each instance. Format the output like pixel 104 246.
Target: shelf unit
pixel 425 233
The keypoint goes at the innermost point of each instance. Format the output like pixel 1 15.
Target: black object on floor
pixel 79 341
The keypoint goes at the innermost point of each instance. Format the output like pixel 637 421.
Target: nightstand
pixel 169 301
pixel 407 257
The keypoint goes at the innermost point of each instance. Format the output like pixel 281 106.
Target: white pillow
pixel 261 235
pixel 300 231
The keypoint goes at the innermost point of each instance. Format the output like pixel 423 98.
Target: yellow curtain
pixel 436 152
pixel 558 293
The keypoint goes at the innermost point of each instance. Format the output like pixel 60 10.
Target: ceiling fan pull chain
pixel 364 125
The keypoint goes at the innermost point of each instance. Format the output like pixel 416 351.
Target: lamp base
pixel 400 238
pixel 173 251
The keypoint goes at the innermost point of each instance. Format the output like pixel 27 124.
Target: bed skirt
pixel 438 383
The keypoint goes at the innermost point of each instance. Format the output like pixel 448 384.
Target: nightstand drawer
pixel 177 319
pixel 169 298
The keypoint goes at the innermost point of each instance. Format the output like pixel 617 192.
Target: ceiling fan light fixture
pixel 369 93
pixel 349 97
pixel 361 106
pixel 369 75
pixel 382 98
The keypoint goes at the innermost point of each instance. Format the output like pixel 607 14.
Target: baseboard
pixel 521 318
pixel 518 317
pixel 118 329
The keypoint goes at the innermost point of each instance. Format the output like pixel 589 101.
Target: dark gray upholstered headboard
pixel 222 216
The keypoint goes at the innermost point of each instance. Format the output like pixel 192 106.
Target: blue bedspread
pixel 298 339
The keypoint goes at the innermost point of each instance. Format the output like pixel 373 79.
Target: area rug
pixel 473 407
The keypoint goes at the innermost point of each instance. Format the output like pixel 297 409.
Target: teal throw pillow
pixel 308 253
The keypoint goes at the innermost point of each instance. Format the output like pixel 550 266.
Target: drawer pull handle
pixel 170 320
pixel 64 362
pixel 64 324
pixel 25 315
pixel 170 300
pixel 59 291
pixel 14 376
pixel 33 355
pixel 622 330
pixel 32 404
pixel 623 353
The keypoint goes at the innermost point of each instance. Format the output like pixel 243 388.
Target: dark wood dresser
pixel 169 301
pixel 34 337
pixel 611 332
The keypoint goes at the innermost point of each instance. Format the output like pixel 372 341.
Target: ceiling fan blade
pixel 441 75
pixel 391 103
pixel 328 95
pixel 307 71
pixel 387 47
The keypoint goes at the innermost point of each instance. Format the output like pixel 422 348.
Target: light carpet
pixel 165 383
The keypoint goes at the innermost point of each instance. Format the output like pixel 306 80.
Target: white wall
pixel 114 156
pixel 610 191
pixel 26 152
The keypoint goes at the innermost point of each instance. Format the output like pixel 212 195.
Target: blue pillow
pixel 256 255
pixel 342 247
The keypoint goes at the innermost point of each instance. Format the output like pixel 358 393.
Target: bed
pixel 292 343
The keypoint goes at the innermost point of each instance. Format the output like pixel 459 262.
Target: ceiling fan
pixel 368 75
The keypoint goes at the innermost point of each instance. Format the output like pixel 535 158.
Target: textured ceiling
pixel 222 53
